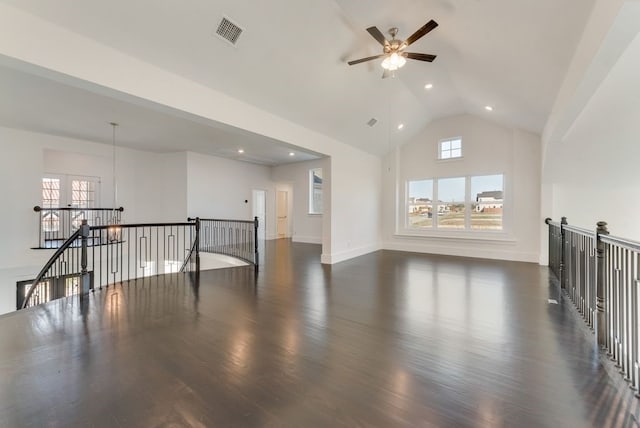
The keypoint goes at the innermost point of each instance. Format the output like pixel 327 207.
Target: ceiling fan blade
pixel 369 58
pixel 419 56
pixel 386 73
pixel 377 34
pixel 421 32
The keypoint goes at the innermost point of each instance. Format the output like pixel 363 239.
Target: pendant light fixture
pixel 114 231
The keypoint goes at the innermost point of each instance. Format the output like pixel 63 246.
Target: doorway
pixel 282 212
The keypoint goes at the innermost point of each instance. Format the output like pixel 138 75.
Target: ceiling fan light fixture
pixel 393 62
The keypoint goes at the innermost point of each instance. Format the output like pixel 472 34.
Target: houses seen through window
pixel 456 203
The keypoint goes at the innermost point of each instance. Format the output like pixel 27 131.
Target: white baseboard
pixel 447 250
pixel 307 239
pixel 348 254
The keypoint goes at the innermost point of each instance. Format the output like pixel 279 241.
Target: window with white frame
pixel 450 148
pixel 474 203
pixel 315 191
pixel 73 191
pixel 83 193
pixel 67 191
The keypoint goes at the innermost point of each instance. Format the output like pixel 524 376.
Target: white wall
pixel 140 176
pixel 593 171
pixel 60 163
pixel 355 205
pixel 89 64
pixel 304 227
pixel 218 188
pixel 488 148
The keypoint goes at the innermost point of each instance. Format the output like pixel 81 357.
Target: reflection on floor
pixel 387 339
pixel 219 261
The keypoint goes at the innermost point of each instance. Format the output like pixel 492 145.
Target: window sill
pixel 450 159
pixel 497 236
pixel 314 214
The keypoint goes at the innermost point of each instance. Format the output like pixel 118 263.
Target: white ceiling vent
pixel 228 31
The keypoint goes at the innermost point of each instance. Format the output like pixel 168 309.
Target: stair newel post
pixel 197 244
pixel 563 248
pixel 255 241
pixel 85 279
pixel 600 284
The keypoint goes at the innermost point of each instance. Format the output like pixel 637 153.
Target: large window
pixel 487 194
pixel 315 191
pixel 456 203
pixel 420 203
pixel 450 148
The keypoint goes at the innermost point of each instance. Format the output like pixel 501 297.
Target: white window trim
pixel 65 187
pixel 503 235
pixel 449 159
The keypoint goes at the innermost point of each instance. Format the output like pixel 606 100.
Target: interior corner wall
pixel 304 227
pixel 355 200
pixel 488 148
pixel 222 188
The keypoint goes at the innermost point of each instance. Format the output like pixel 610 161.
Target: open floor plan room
pixel 386 339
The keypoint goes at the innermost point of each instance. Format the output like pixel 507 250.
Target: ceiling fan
pixel 393 50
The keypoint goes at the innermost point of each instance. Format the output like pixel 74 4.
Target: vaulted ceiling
pixel 291 57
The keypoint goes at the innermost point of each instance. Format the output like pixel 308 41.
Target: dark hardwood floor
pixel 387 339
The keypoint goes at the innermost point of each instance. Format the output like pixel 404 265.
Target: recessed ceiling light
pixel 428 86
pixel 401 126
pixel 240 150
pixel 488 108
pixel 291 154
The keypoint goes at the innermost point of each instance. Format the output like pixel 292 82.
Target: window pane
pixel 456 144
pixel 420 204
pixel 71 285
pixel 451 189
pixel 487 193
pixel 456 153
pixel 446 145
pixel 50 193
pixel 315 191
pixel 451 216
pixel 451 195
pixel 82 193
pixel 50 199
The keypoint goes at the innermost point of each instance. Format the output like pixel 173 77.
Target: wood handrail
pixel 38 209
pixel 48 265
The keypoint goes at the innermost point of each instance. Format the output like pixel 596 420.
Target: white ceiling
pixel 614 110
pixel 291 58
pixel 43 105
